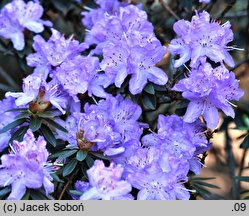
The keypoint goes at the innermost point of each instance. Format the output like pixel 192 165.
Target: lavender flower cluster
pixel 156 164
pixel 25 167
pixel 207 88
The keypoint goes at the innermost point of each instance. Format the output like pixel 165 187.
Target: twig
pixel 67 184
pixel 242 161
pixel 242 165
pixel 5 88
pixel 231 165
pixel 228 8
pixel 236 15
pixel 8 78
pixel 166 7
pixel 240 63
pixel 209 7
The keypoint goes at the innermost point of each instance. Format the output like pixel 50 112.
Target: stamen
pixel 231 103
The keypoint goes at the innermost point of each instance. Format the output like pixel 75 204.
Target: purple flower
pixel 6 118
pixel 208 90
pixel 129 47
pixel 159 167
pixel 104 127
pixel 40 94
pixel 201 39
pixel 25 167
pixel 81 74
pixel 204 1
pixel 94 15
pixel 178 140
pixel 106 182
pixel 53 52
pixel 154 184
pixel 18 15
pixel 31 86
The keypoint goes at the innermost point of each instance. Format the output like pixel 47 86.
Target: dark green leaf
pixel 89 161
pixel 75 192
pixel 48 134
pixel 56 178
pixel 100 156
pixel 35 123
pixel 56 125
pixel 242 178
pixel 43 192
pixel 19 134
pixel 23 115
pixel 69 168
pixel 63 154
pixel 186 3
pixel 12 125
pixel 16 110
pixel 206 184
pixel 5 191
pixel 246 120
pixel 149 88
pixel 84 169
pixel 26 195
pixel 202 179
pixel 81 155
pixel 36 195
pixel 149 101
pixel 245 143
pixel 62 6
pixel 47 114
pixel 202 192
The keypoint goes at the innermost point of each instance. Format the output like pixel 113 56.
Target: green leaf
pixel 242 178
pixel 63 154
pixel 81 155
pixel 43 192
pixel 17 110
pixel 62 6
pixel 47 114
pixel 56 178
pixel 149 101
pixel 245 143
pixel 149 88
pixel 186 3
pixel 36 195
pixel 35 123
pixel 69 168
pixel 206 184
pixel 48 134
pixel 244 192
pixel 100 156
pixel 56 125
pixel 202 192
pixel 12 125
pixel 89 161
pixel 19 134
pixel 202 179
pixel 26 195
pixel 5 191
pixel 75 192
pixel 23 115
pixel 246 120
